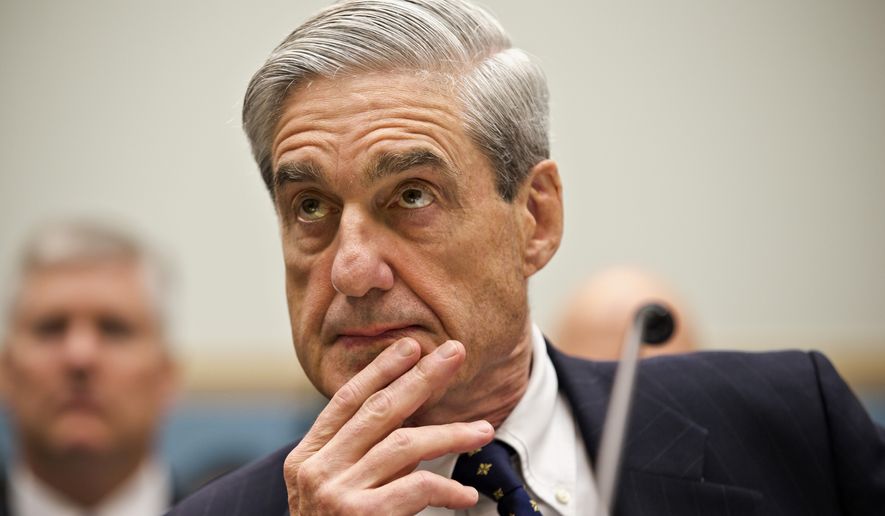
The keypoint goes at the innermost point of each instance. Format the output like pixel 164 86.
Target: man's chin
pixel 341 363
pixel 74 436
pixel 342 367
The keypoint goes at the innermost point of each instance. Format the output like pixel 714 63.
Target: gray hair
pixel 91 243
pixel 502 92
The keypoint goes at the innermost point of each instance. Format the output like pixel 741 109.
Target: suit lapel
pixel 662 463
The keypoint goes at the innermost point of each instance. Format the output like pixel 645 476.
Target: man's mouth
pixel 80 404
pixel 375 335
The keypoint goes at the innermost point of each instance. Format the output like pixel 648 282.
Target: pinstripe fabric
pixel 758 436
pixel 717 433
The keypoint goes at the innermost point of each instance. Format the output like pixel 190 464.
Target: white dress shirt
pixel 552 457
pixel 147 493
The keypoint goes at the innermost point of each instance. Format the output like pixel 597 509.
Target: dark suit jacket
pixel 4 501
pixel 716 433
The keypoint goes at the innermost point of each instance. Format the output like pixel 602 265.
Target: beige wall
pixel 737 148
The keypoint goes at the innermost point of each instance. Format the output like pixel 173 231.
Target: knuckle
pixel 325 495
pixel 308 477
pixel 361 423
pixel 347 396
pixel 423 481
pixel 423 372
pixel 379 403
pixel 292 465
pixel 325 500
pixel 401 438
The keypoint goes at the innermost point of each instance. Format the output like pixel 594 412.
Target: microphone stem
pixel 617 416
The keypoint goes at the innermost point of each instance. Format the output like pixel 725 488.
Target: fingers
pixel 320 471
pixel 401 451
pixel 405 496
pixel 386 410
pixel 421 489
pixel 387 366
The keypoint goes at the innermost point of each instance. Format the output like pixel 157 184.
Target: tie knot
pixel 490 470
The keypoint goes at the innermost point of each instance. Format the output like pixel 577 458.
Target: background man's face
pixel 382 196
pixel 84 368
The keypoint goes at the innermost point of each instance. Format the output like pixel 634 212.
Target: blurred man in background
pixel 86 376
pixel 595 319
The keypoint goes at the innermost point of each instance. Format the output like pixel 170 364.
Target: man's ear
pixel 541 201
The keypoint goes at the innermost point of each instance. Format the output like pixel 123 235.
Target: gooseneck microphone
pixel 653 324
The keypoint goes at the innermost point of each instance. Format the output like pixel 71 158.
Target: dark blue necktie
pixel 490 471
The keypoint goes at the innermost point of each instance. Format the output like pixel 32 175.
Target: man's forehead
pixel 116 267
pixel 396 83
pixel 123 282
pixel 349 103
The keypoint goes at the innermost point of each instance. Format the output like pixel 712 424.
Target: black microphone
pixel 653 324
pixel 659 324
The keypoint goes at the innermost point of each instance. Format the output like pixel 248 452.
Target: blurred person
pixel 87 376
pixel 404 144
pixel 596 317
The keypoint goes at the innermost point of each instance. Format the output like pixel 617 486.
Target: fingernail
pixel 405 347
pixel 482 426
pixel 448 350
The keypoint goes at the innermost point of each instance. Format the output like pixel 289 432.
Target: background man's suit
pixel 711 434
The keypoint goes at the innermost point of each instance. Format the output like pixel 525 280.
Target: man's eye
pixel 414 197
pixel 312 208
pixel 50 327
pixel 115 328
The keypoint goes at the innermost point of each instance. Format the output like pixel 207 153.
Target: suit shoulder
pixel 711 383
pixel 721 372
pixel 256 488
pixel 756 378
pixel 746 392
pixel 728 356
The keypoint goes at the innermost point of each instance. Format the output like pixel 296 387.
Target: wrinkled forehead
pixel 382 117
pixel 362 92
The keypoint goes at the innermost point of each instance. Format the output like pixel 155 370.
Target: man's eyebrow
pixel 298 172
pixel 392 163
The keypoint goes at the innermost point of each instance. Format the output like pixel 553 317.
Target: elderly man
pixel 86 377
pixel 404 144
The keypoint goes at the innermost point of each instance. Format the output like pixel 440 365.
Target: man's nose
pixel 81 345
pixel 359 264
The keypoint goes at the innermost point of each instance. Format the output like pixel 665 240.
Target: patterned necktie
pixel 490 471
